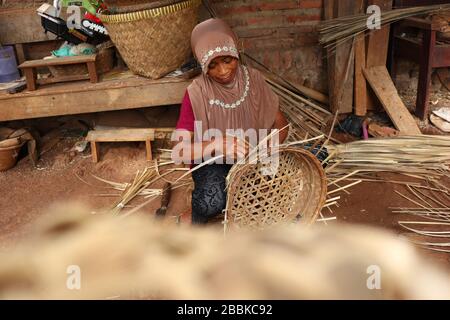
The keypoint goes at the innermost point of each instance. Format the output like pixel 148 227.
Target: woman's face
pixel 223 69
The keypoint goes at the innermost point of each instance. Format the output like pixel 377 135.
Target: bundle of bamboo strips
pixel 433 207
pixel 307 119
pixel 140 186
pixel 425 157
pixel 337 31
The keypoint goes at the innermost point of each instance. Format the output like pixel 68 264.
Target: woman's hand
pixel 235 148
pixel 280 124
pixel 229 147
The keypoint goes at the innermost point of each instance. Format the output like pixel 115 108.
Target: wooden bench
pixel 29 68
pixel 120 135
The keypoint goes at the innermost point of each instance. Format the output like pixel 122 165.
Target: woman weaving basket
pixel 227 95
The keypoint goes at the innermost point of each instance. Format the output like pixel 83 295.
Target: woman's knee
pixel 209 196
pixel 208 203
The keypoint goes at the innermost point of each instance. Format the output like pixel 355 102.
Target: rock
pixel 440 123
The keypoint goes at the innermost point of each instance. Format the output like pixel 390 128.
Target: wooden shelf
pixel 85 97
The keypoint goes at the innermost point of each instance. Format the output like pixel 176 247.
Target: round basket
pixel 154 42
pixel 295 193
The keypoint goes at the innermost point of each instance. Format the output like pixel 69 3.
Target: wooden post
pixel 94 151
pixel 360 80
pixel 148 147
pixel 93 76
pixel 31 76
pixel 377 49
pixel 341 63
pixel 423 89
pixel 328 15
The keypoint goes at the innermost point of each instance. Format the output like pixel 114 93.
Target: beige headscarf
pixel 249 103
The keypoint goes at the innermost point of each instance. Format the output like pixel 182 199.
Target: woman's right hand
pixel 235 148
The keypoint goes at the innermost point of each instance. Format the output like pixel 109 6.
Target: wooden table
pixel 84 97
pixel 30 67
pixel 146 135
pixel 426 52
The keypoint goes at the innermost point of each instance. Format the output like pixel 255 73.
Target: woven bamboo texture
pixel 296 193
pixel 154 42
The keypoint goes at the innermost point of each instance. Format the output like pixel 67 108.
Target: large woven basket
pixel 296 193
pixel 154 42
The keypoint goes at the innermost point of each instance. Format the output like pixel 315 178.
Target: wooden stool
pixel 29 69
pixel 120 135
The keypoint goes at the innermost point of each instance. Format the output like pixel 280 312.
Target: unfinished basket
pixel 154 42
pixel 297 192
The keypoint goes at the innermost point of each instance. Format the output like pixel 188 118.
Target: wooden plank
pixel 328 9
pixel 331 62
pixel 116 135
pixel 344 66
pixel 381 82
pixel 58 61
pixel 84 97
pixel 148 148
pixel 378 40
pixel 41 49
pixel 75 77
pixel 377 49
pixel 423 88
pixel 93 76
pixel 30 76
pixel 114 82
pixel 360 80
pixel 341 62
pixel 420 23
pixel 95 151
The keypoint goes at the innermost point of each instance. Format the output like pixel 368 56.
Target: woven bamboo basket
pixel 296 193
pixel 154 42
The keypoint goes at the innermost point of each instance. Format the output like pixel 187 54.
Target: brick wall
pixel 21 3
pixel 20 23
pixel 281 34
pixel 37 3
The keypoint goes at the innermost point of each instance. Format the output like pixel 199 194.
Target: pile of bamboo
pixel 339 30
pixel 425 157
pixel 307 118
pixel 430 204
pixel 141 186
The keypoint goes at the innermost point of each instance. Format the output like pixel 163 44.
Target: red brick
pixel 280 5
pixel 298 19
pixel 311 4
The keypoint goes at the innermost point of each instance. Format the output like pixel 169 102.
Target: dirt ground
pixel 63 175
